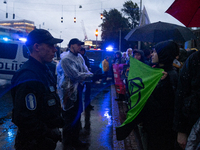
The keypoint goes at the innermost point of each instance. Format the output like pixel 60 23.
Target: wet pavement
pixel 107 115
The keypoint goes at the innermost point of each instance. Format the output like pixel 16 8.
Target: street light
pixel 96 34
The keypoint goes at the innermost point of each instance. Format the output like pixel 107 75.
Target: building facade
pixel 25 25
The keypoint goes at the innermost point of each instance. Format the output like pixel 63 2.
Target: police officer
pixel 37 109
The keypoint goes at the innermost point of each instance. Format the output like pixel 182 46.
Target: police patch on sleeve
pixel 31 101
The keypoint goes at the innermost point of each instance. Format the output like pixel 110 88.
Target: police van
pixel 13 52
pixel 12 55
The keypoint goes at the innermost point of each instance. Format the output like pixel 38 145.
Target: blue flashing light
pixel 6 39
pixel 109 48
pixel 23 39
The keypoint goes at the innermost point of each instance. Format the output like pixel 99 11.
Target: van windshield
pixel 8 50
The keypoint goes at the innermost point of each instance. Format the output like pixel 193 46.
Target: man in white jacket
pixel 72 73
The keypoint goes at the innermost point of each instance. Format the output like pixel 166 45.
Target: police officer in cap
pixel 37 109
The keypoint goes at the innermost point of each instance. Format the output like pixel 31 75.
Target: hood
pixel 141 53
pixel 167 52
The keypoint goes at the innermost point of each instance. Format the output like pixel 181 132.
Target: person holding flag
pixel 152 94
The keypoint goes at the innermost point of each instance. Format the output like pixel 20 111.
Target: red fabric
pixel 186 11
pixel 119 84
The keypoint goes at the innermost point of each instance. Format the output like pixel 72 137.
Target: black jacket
pixel 187 104
pixel 87 63
pixel 159 110
pixel 36 106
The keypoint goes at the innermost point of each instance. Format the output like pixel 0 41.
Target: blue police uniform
pixel 37 109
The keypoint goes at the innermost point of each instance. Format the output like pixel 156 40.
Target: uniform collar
pixel 37 63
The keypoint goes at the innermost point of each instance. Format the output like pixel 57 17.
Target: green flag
pixel 142 80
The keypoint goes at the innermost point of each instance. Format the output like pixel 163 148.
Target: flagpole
pixel 140 7
pixel 139 42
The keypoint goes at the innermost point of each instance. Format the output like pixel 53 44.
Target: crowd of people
pixel 173 108
pixel 43 103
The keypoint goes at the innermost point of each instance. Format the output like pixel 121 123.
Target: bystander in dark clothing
pixel 177 64
pixel 187 108
pixel 139 55
pixel 87 85
pixel 183 55
pixel 36 105
pixel 117 58
pixel 147 55
pixel 124 58
pixel 58 52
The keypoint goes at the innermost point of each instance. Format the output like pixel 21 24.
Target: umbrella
pixel 186 11
pixel 160 31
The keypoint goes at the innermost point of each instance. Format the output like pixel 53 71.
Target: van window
pixel 8 50
pixel 25 51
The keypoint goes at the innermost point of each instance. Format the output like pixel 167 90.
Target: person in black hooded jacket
pixel 157 114
pixel 187 104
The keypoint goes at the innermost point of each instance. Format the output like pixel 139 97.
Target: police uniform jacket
pixel 37 107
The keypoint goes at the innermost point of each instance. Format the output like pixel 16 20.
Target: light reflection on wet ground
pixel 99 135
pixel 7 135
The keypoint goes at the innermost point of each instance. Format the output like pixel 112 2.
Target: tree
pixel 131 11
pixel 113 22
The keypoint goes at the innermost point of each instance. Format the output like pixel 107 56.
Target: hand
pixel 164 75
pixel 182 139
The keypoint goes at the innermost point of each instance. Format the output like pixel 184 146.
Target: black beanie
pixel 167 51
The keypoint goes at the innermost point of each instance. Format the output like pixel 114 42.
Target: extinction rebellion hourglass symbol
pixel 135 86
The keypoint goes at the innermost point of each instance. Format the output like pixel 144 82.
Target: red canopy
pixel 186 11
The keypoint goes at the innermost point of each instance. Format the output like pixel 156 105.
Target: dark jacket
pixel 159 109
pixel 87 63
pixel 36 106
pixel 187 104
pixel 117 60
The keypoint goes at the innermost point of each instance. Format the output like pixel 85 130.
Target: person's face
pixel 124 55
pixel 76 48
pixel 130 52
pixel 46 52
pixel 137 56
pixel 154 58
pixel 82 52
